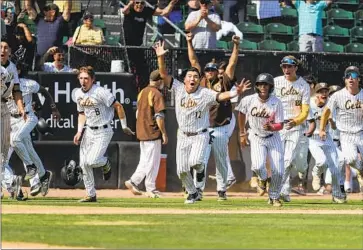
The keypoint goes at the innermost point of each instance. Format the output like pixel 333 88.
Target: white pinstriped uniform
pixel 324 153
pixel 192 114
pixel 95 141
pixel 20 138
pixel 265 143
pixel 292 96
pixel 349 120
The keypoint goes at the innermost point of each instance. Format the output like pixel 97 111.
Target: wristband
pixel 80 128
pixel 123 123
pixel 232 93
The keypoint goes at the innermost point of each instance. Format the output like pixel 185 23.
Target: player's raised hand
pixel 128 131
pixel 189 37
pixel 159 49
pixel 322 135
pixel 236 39
pixel 243 86
pixel 244 140
pixel 165 139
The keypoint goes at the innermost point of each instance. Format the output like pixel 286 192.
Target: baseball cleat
pixel 230 183
pixel 261 187
pixel 276 203
pixel 45 181
pixel 200 195
pixel 21 197
pixel 347 187
pixel 316 182
pixel 321 191
pixel 133 188
pixel 35 190
pixel 192 198
pixel 339 200
pixel 106 169
pixel 269 201
pixel 285 197
pixel 222 196
pixel 31 171
pixel 299 190
pixel 153 194
pixel 89 199
pixel 212 177
pixel 16 185
pixel 254 182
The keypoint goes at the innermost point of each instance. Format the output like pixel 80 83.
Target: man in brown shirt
pixel 221 116
pixel 150 130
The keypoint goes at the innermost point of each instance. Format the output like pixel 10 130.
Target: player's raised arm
pixel 160 53
pixel 231 67
pixel 240 88
pixel 324 120
pixel 122 116
pixel 191 53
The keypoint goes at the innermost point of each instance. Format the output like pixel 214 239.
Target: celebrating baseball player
pixel 294 93
pixel 150 130
pixel 192 112
pixel 348 105
pixel 324 152
pixel 96 107
pixel 220 114
pixel 265 116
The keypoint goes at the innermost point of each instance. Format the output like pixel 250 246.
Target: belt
pixel 98 127
pixel 313 34
pixel 195 133
pixel 220 125
pixel 335 139
pixel 18 115
pixel 264 137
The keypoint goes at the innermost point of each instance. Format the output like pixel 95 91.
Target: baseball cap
pixel 205 1
pixel 51 6
pixel 155 75
pixel 289 60
pixel 320 86
pixel 351 69
pixel 334 88
pixel 212 66
pixel 88 15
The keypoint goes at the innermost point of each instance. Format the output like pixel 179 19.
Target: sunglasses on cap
pixel 141 3
pixel 353 75
pixel 288 61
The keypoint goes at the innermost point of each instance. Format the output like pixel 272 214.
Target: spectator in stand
pixel 22 45
pixel 136 15
pixel 75 15
pixel 203 24
pixel 49 27
pixel 87 34
pixel 175 16
pixel 10 20
pixel 3 27
pixel 233 6
pixel 268 11
pixel 310 24
pixel 58 61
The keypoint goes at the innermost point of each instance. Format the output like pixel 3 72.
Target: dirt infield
pixel 23 245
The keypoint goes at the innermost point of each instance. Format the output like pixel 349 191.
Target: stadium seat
pixel 356 34
pixel 112 40
pixel 337 34
pixel 271 45
pixel 333 47
pixel 324 18
pixel 222 45
pixel 293 46
pixel 99 23
pixel 247 45
pixel 341 17
pixel 354 48
pixel 251 31
pixel 358 17
pixel 350 5
pixel 279 32
pixel 251 12
pixel 289 16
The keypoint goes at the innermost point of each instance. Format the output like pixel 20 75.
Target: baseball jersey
pixel 4 80
pixel 292 95
pixel 317 112
pixel 28 87
pixel 149 103
pixel 349 110
pixel 192 110
pixel 100 111
pixel 13 78
pixel 259 113
pixel 335 133
pixel 50 67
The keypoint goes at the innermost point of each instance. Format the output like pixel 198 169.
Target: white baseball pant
pixel 352 144
pixel 190 153
pixel 149 164
pixel 231 126
pixel 301 160
pixel 92 154
pixel 5 134
pixel 271 147
pixel 325 155
pixel 341 165
pixel 290 140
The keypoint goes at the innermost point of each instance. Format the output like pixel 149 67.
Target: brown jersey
pixel 220 114
pixel 149 102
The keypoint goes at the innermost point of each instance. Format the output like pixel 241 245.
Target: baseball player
pixel 150 130
pixel 192 112
pixel 20 138
pixel 294 93
pixel 324 152
pixel 264 114
pixel 220 114
pixel 348 105
pixel 96 107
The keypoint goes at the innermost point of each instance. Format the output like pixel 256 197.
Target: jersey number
pixel 97 110
pixel 198 114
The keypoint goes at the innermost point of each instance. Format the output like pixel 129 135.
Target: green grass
pixel 208 203
pixel 188 231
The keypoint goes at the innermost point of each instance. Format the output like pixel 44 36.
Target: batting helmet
pixel 43 127
pixel 265 78
pixel 71 173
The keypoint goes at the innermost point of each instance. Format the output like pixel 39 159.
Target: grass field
pixel 168 223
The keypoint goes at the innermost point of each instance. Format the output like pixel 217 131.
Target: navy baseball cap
pixel 289 60
pixel 211 66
